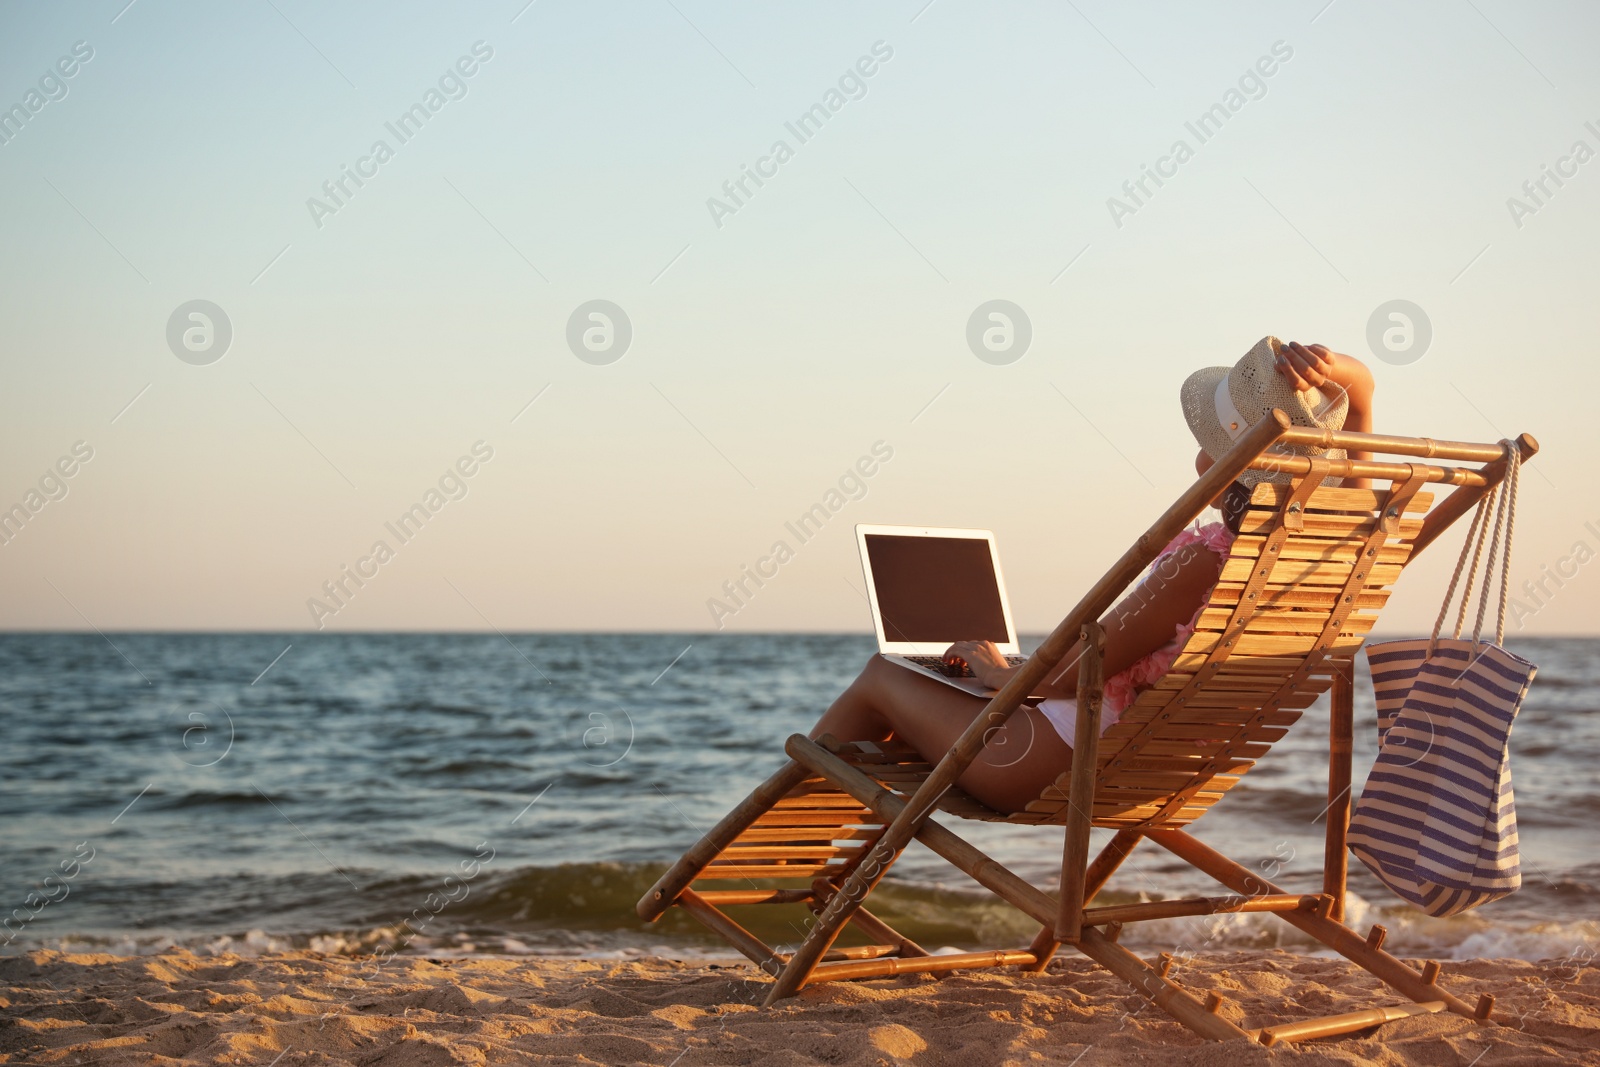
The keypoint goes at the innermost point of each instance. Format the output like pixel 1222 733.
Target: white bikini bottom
pixel 1063 715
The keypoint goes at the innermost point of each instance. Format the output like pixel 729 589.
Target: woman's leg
pixel 1020 759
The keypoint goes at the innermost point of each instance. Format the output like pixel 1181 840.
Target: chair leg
pixel 1099 873
pixel 1080 790
pixel 1335 858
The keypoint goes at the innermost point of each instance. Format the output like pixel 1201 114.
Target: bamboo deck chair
pixel 1301 587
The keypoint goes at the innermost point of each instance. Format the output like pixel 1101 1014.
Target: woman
pixel 1145 631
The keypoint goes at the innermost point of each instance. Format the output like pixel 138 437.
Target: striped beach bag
pixel 1436 821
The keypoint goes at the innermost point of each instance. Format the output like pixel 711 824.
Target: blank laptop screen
pixel 936 588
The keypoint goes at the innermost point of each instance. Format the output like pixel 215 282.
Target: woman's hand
pixel 1307 366
pixel 1312 366
pixel 988 665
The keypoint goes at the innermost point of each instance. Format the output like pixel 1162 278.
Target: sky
pixel 386 338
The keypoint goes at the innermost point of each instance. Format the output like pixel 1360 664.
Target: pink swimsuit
pixel 1122 688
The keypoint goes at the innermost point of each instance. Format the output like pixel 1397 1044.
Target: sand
pixel 302 1008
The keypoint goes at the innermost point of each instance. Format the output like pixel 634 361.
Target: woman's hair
pixel 1235 499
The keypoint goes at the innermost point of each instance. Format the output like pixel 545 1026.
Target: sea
pixel 515 794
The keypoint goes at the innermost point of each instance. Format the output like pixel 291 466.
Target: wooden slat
pixel 1206 706
pixel 1221 707
pixel 1326 524
pixel 1278 666
pixel 1125 782
pixel 819 800
pixel 1137 818
pixel 1179 750
pixel 1238 680
pixel 1336 499
pixel 1305 572
pixel 1229 717
pixel 1182 731
pixel 1187 767
pixel 742 853
pixel 1305 548
pixel 1313 599
pixel 799 833
pixel 1298 622
pixel 1134 765
pixel 742 872
pixel 1308 622
pixel 810 819
pixel 1268 644
pixel 1185 761
pixel 1157 781
pixel 1123 793
pixel 1146 807
pixel 1107 813
pixel 1285 620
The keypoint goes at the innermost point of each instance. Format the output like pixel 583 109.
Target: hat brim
pixel 1200 410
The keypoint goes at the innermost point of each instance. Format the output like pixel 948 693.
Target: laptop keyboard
pixel 957 670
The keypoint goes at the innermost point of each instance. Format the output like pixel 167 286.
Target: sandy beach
pixel 301 1008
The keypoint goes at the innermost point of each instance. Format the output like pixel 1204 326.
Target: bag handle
pixel 1455 578
pixel 1505 517
pixel 1501 505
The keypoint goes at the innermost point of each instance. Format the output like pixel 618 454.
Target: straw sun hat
pixel 1221 403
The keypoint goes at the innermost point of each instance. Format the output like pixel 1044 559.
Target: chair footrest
pixel 857 952
pixel 827 972
pixel 1177 907
pixel 1331 1025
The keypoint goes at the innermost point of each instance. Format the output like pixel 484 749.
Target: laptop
pixel 930 588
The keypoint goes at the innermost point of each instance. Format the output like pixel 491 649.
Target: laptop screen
pixel 936 589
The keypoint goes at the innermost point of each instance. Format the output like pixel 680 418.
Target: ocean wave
pixel 587 909
pixel 207 798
